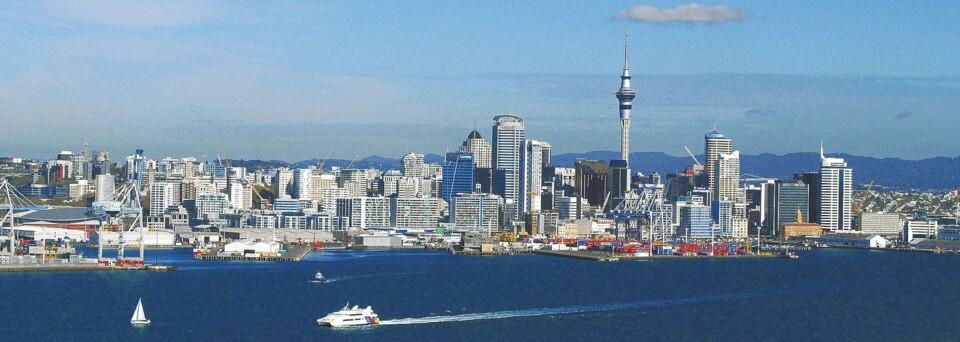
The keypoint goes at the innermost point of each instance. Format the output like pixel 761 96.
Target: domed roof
pixel 714 134
pixel 474 135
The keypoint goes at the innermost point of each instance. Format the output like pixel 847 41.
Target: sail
pixel 138 315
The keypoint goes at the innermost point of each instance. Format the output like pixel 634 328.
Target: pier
pixel 71 267
pixel 295 253
pixel 595 256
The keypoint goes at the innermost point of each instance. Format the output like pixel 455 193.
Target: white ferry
pixel 350 317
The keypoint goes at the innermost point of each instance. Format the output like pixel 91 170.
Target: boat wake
pixel 577 309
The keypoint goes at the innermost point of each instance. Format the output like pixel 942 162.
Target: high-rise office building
pixel 161 197
pixel 479 212
pixel 365 212
pixel 302 188
pixel 412 165
pixel 695 221
pixel 591 180
pixel 106 187
pixel 619 182
pixel 481 149
pixel 726 174
pixel 458 172
pixel 715 144
pixel 784 199
pixel 281 182
pixel 625 96
pixel 722 213
pixel 531 174
pixel 415 213
pixel 508 135
pixel 836 191
pixel 389 181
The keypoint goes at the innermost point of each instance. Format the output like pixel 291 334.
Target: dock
pixel 295 253
pixel 595 256
pixel 72 267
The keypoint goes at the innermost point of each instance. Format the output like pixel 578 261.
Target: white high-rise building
pixel 416 213
pixel 106 187
pixel 480 148
pixel 389 182
pixel 320 182
pixel 281 182
pixel 531 171
pixel 161 197
pixel 412 165
pixel 715 144
pixel 302 186
pixel 508 135
pixel 330 197
pixel 241 196
pixel 836 194
pixel 365 212
pixel 408 187
pixel 727 176
pixel 479 212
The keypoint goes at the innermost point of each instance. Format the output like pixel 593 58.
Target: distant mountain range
pixel 940 173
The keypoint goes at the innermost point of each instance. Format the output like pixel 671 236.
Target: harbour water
pixel 432 295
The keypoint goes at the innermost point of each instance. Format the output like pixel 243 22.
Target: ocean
pixel 826 294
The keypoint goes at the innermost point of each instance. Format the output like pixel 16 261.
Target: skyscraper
pixel 625 96
pixel 480 148
pixel 785 198
pixel 458 172
pixel 161 197
pixel 727 178
pixel 531 173
pixel 412 165
pixel 714 145
pixel 105 187
pixel 836 189
pixel 508 134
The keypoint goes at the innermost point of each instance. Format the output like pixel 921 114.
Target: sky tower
pixel 625 96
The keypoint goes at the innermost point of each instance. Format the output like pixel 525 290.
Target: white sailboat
pixel 138 317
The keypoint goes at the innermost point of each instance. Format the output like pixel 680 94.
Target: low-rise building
pixel 854 240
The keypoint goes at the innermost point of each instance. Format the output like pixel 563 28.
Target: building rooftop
pixel 474 135
pixel 60 215
pixel 848 236
pixel 714 134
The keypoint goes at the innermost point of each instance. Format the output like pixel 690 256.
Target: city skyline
pixel 298 81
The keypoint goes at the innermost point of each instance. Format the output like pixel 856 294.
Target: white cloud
pixel 690 13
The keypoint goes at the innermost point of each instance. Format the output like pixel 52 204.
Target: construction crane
pixel 351 162
pixel 692 156
pixel 320 163
pixel 866 196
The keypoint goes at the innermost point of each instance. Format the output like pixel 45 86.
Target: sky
pixel 304 80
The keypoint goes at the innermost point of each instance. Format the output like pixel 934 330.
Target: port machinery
pixel 11 201
pixel 643 213
pixel 125 212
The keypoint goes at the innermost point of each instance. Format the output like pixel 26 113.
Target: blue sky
pixel 300 80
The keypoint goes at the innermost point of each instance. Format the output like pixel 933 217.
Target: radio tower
pixel 625 96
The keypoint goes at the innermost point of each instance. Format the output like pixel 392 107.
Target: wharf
pixel 295 253
pixel 499 252
pixel 70 267
pixel 595 256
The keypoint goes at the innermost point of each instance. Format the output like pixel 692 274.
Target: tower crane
pixel 351 162
pixel 320 163
pixel 692 156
